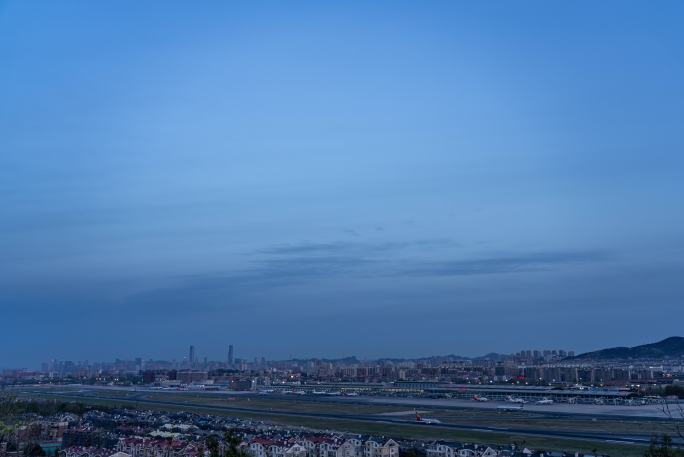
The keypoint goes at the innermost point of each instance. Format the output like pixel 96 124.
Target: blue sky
pixel 326 179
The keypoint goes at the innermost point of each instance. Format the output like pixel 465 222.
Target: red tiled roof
pixel 264 441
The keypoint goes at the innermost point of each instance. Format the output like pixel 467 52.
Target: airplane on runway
pixel 511 399
pixel 544 401
pixel 479 398
pixel 424 420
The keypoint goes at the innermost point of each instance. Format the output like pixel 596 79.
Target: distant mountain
pixel 435 359
pixel 672 347
pixel 345 360
pixel 493 356
pixel 429 359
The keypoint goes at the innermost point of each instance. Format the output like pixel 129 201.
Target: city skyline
pixel 193 359
pixel 657 363
pixel 321 179
pixel 674 344
pixel 186 361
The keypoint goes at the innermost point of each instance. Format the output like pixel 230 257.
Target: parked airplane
pixel 544 401
pixel 479 398
pixel 294 392
pixel 511 399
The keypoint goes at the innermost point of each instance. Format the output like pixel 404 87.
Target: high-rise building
pixel 191 355
pixel 231 355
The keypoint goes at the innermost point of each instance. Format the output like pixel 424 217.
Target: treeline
pixel 674 389
pixel 10 407
pixel 231 445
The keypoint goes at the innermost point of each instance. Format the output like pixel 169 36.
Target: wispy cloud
pixel 305 264
pixel 353 248
pixel 235 288
pixel 504 264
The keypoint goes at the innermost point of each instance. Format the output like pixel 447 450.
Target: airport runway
pixel 378 419
pixel 636 412
pixel 621 412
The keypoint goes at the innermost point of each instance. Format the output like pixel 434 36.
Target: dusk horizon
pixel 220 357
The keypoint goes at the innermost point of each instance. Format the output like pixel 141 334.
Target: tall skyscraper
pixel 191 355
pixel 231 355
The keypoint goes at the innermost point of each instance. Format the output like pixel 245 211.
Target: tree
pixel 213 446
pixel 674 390
pixel 5 432
pixel 410 452
pixel 232 445
pixel 674 411
pixel 33 450
pixel 661 447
